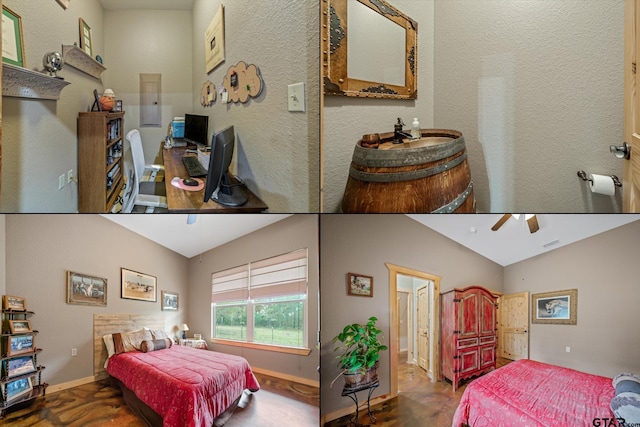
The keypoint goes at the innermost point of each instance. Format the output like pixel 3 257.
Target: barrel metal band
pixel 407 157
pixel 457 202
pixel 406 176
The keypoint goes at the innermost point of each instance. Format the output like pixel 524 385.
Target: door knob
pixel 621 151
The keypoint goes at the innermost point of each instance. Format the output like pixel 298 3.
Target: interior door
pixel 423 328
pixel 515 326
pixel 631 166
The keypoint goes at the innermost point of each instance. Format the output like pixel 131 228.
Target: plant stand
pixel 352 394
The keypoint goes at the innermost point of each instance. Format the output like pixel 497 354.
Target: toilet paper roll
pixel 602 184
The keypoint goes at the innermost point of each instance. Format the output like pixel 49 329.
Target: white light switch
pixel 296 97
pixel 568 349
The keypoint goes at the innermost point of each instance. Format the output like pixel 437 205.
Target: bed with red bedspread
pixel 529 393
pixel 185 386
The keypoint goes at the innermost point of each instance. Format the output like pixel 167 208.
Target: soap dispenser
pixel 415 129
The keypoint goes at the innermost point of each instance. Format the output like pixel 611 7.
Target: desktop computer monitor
pixel 196 129
pixel 219 186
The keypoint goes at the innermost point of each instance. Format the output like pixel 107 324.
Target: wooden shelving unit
pixel 100 162
pixel 38 388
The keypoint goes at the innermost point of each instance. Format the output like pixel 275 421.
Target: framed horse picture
pixel 559 307
pixel 359 285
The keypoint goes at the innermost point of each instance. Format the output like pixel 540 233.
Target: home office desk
pixel 182 201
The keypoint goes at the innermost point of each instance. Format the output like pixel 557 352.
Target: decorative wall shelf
pixel 23 83
pixel 78 59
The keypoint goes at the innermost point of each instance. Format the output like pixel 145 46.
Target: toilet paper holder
pixel 583 176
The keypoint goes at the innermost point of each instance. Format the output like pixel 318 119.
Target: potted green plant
pixel 359 349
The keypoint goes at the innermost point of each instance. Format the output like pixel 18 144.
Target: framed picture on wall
pixel 12 40
pixel 64 3
pixel 558 307
pixel 85 38
pixel 86 290
pixel 169 301
pixel 138 286
pixel 359 285
pixel 214 41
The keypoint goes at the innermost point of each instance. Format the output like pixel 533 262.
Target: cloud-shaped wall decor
pixel 242 82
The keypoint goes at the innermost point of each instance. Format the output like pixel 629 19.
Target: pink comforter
pixel 186 386
pixel 528 393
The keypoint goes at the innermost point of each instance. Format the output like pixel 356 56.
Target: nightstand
pixel 194 343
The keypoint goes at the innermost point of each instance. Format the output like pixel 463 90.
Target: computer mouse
pixel 190 182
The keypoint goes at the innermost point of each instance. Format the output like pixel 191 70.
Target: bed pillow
pixel 626 403
pixel 153 345
pixel 130 341
pixel 158 335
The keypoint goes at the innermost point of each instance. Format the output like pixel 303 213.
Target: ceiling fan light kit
pixel 532 221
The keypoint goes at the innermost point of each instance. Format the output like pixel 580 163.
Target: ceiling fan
pixel 531 219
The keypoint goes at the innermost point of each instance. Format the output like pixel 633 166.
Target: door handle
pixel 621 151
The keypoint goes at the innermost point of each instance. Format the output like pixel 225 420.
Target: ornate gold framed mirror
pixel 370 49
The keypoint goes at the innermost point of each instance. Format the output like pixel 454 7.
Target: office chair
pixel 149 195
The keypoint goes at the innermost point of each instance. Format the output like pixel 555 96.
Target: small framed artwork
pixel 19 326
pixel 138 286
pixel 18 388
pixel 14 303
pixel 12 40
pixel 214 41
pixel 359 285
pixel 85 38
pixel 19 366
pixel 83 289
pixel 19 344
pixel 560 307
pixel 169 301
pixel 118 106
pixel 64 3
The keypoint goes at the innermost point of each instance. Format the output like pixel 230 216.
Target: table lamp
pixel 185 328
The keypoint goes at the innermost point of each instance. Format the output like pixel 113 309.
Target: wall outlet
pixel 567 349
pixel 74 352
pixel 61 181
pixel 69 176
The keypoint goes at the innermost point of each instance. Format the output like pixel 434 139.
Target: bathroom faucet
pixel 398 134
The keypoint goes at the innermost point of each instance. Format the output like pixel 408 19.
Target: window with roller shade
pixel 263 302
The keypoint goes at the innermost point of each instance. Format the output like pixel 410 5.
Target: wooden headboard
pixel 104 324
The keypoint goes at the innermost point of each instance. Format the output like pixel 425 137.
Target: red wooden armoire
pixel 468 333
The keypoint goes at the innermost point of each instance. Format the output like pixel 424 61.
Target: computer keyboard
pixel 193 166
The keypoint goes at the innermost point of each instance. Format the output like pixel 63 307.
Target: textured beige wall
pixel 536 88
pixel 347 119
pixel 605 340
pixel 363 244
pixel 295 232
pixel 277 152
pixel 40 249
pixel 149 41
pixel 3 268
pixel 39 141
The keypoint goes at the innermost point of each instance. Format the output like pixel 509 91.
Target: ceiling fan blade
pixel 533 224
pixel 501 222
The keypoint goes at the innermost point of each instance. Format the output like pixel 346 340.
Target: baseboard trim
pixel 287 377
pixel 75 383
pixel 350 410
